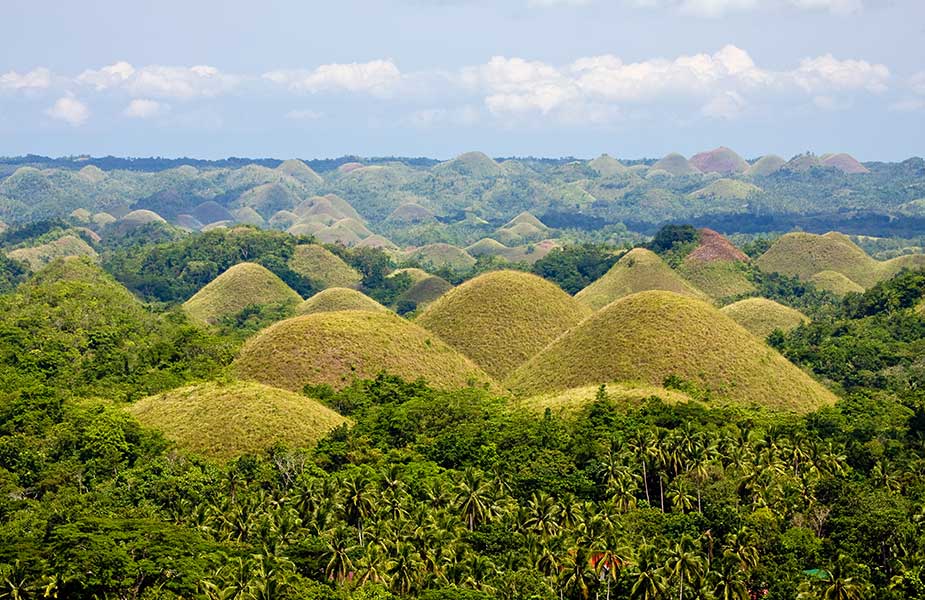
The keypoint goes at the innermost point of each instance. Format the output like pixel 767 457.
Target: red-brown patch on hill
pixel 844 163
pixel 721 160
pixel 347 167
pixel 715 247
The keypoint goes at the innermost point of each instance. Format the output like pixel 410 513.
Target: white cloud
pixel 70 110
pixel 727 105
pixel 304 115
pixel 720 8
pixel 827 72
pixel 833 6
pixel 376 77
pixel 36 79
pixel 715 8
pixel 159 81
pixel 143 108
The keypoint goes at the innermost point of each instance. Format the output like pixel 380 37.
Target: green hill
pixel 725 189
pixel 337 298
pixel 268 199
pixel 502 318
pixel 766 165
pixel 675 164
pixel 425 288
pixel 248 216
pixel 471 164
pixel 243 285
pixel 606 166
pixel 339 233
pixel 299 170
pixel 411 212
pixel 638 270
pixel 337 347
pixel 762 316
pixel 844 163
pixel 377 241
pixel 622 393
pixel 804 255
pixel 835 282
pixel 653 335
pixel 717 267
pixel 39 256
pixel 226 420
pixel 437 256
pixel 525 218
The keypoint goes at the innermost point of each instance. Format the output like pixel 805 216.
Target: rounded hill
pixel 638 270
pixel 502 318
pixel 242 285
pixel 337 298
pixel 675 164
pixel 721 160
pixel 225 420
pixel 835 282
pixel 651 336
pixel 805 254
pixel 335 348
pixel 471 164
pixel 766 165
pixel 762 316
pixel 443 255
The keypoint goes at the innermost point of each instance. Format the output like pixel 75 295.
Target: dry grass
pixel 718 279
pixel 437 256
pixel 338 298
pixel 339 233
pixel 243 285
pixel 804 255
pixel 411 212
pixel 337 347
pixel 378 241
pixel 471 164
pixel 606 166
pixel 225 420
pixel 766 165
pixel 622 393
pixel 502 318
pixel 525 218
pixel 844 163
pixel 39 256
pixel 652 335
pixel 835 282
pixel 637 271
pixel 762 316
pixel 675 164
pixel 721 160
pixel 299 170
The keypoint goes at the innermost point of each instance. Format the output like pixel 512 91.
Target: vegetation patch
pixel 39 256
pixel 241 286
pixel 762 316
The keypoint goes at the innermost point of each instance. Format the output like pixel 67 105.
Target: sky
pixel 632 78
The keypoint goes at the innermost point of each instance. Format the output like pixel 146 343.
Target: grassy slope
pixel 622 393
pixel 224 420
pixel 637 271
pixel 39 256
pixel 243 285
pixel 835 282
pixel 323 267
pixel 652 335
pixel 762 316
pixel 443 255
pixel 804 255
pixel 336 347
pixel 718 279
pixel 501 319
pixel 337 298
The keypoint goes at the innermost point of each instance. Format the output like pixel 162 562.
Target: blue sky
pixel 438 77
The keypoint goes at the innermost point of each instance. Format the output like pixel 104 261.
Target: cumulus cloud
pixel 376 77
pixel 722 84
pixel 36 79
pixel 160 81
pixel 70 110
pixel 143 108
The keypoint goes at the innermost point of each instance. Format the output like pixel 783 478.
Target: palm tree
pixel 642 444
pixel 357 501
pixel 681 499
pixel 684 563
pixel 338 563
pixel 542 514
pixel 404 569
pixel 649 583
pixel 841 585
pixel 473 498
pixel 372 565
pixel 578 575
pixel 730 582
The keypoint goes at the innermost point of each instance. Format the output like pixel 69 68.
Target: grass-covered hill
pixel 335 348
pixel 323 267
pixel 224 420
pixel 804 255
pixel 762 316
pixel 717 267
pixel 675 164
pixel 765 166
pixel 622 393
pixel 424 289
pixel 501 319
pixel 835 282
pixel 652 336
pixel 337 298
pixel 721 160
pixel 436 256
pixel 41 254
pixel 241 286
pixel 637 271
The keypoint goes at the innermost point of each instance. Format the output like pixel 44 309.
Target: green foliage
pixel 575 267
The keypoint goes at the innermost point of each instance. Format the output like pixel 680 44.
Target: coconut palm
pixel 649 584
pixel 358 500
pixel 684 563
pixel 404 569
pixel 336 555
pixel 474 498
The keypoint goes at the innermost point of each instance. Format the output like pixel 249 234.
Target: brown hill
pixel 722 160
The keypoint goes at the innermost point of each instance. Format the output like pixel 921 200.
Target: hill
pixel 39 256
pixel 721 160
pixel 622 393
pixel 525 218
pixel 243 285
pixel 653 335
pixel 766 165
pixel 726 189
pixel 299 170
pixel 638 270
pixel 804 255
pixel 211 211
pixel 225 420
pixel 437 256
pixel 717 267
pixel 835 282
pixel 335 348
pixel 844 163
pixel 377 241
pixel 675 164
pixel 762 316
pixel 268 199
pixel 606 166
pixel 502 318
pixel 425 288
pixel 337 298
pixel 411 212
pixel 471 164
